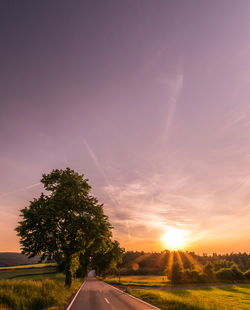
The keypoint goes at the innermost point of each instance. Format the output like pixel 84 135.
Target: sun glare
pixel 174 238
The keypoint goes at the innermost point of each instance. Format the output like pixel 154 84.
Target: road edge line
pixel 69 306
pixel 132 296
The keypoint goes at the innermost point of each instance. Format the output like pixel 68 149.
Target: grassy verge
pixel 28 294
pixel 222 298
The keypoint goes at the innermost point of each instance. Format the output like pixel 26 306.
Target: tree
pixel 66 223
pixel 175 273
pixel 107 258
pixel 208 271
pixel 230 274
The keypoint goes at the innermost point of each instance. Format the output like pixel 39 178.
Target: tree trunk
pixel 68 278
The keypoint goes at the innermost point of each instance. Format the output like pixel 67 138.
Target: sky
pixel 148 99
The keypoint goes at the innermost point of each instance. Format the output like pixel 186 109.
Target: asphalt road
pixel 97 295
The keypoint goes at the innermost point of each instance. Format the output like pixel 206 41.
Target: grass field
pixel 139 280
pixel 30 273
pixel 18 291
pixel 223 298
pixel 28 266
pixel 37 295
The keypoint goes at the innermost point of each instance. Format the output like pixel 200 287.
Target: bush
pixel 192 276
pixel 247 274
pixel 230 274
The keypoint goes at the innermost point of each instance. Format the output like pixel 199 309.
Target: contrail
pixel 20 190
pixel 99 166
pixel 174 95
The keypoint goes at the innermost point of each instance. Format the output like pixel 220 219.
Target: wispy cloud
pixel 174 87
pixel 100 168
pixel 19 190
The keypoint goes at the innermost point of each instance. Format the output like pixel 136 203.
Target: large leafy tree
pixel 65 223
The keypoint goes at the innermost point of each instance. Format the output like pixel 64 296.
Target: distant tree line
pixel 187 267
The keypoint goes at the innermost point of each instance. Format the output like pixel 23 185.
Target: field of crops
pixel 213 298
pixel 28 266
pixel 38 272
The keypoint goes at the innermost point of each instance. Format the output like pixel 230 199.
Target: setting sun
pixel 174 238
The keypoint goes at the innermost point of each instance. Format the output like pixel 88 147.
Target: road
pixel 97 295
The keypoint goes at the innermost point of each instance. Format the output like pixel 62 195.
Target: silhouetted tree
pixel 176 273
pixel 208 270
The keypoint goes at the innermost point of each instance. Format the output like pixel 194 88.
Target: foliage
pixel 208 270
pixel 66 223
pixel 230 274
pixel 175 273
pixel 247 274
pixel 222 264
pixel 191 276
pixel 26 295
pixel 107 258
pixel 187 267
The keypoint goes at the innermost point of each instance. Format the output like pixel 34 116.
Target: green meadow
pixel 208 298
pixel 147 280
pixel 37 287
pixel 213 298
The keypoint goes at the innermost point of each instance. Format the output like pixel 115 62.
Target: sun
pixel 174 238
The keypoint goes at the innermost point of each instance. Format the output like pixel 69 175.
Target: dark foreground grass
pixel 35 295
pixel 223 298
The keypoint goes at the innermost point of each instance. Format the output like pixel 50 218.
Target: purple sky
pixel 149 99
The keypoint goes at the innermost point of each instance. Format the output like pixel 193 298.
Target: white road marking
pixel 75 296
pixel 106 300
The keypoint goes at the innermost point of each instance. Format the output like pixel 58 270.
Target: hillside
pixel 12 259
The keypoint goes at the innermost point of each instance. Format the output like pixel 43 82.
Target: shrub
pixel 230 274
pixel 247 274
pixel 192 276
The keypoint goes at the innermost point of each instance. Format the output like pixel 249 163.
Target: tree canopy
pixel 66 223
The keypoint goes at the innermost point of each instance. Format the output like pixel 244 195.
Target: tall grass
pixel 37 295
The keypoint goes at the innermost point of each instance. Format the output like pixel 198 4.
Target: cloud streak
pixel 20 190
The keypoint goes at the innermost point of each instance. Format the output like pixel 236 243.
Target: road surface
pixel 97 295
